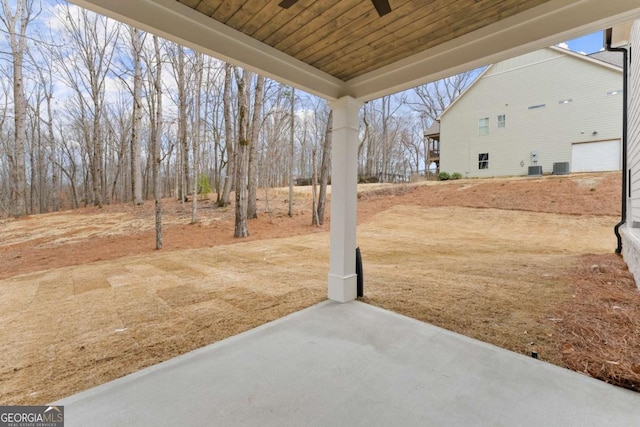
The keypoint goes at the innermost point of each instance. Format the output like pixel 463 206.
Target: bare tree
pixel 156 137
pixel 177 59
pixel 47 84
pixel 241 166
pixel 324 170
pixel 137 40
pixel 275 136
pixel 225 200
pixel 434 97
pixel 15 22
pixel 367 150
pixel 5 143
pixel 69 165
pixel 85 59
pixel 213 132
pixel 199 64
pixel 46 144
pixel 252 211
pixel 292 128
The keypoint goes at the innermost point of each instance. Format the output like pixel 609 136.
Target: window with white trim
pixel 502 121
pixel 483 126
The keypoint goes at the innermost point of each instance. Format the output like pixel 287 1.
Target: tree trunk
pixel 324 169
pixel 183 182
pixel 314 188
pixel 371 146
pixel 291 149
pixel 196 139
pixel 229 146
pixel 136 168
pixel 96 158
pixel 52 156
pixel 157 158
pixel 17 43
pixel 385 140
pixel 252 211
pixel 241 228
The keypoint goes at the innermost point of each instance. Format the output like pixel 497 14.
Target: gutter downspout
pixel 625 54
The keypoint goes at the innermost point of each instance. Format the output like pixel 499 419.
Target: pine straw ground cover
pixel 599 327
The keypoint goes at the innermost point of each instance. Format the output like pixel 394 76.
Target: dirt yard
pixel 525 264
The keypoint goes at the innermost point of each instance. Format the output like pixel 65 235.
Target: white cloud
pixel 563 45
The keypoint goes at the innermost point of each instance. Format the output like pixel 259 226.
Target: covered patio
pixel 354 364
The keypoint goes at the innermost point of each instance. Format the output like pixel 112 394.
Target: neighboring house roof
pixel 589 58
pixel 614 58
pixel 433 130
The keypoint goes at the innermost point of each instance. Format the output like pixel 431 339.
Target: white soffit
pixel 542 26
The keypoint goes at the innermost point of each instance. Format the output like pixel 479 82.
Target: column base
pixel 343 289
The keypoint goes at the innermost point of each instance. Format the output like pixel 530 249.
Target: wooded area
pixel 95 112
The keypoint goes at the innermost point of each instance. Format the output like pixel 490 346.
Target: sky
pixel 587 44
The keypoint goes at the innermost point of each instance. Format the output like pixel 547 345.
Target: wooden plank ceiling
pixel 347 38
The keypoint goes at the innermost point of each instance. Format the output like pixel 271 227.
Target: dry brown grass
pixel 86 299
pixel 489 274
pixel 69 329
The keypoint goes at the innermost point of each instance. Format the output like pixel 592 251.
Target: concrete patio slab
pixel 352 365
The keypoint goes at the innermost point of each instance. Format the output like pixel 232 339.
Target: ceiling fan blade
pixel 382 6
pixel 286 4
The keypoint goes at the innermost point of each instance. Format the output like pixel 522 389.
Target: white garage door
pixel 596 156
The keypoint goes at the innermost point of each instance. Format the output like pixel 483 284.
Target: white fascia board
pixel 181 24
pixel 545 25
pixel 586 58
pixel 464 92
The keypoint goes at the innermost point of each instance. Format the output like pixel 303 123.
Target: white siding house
pixel 549 106
pixel 631 230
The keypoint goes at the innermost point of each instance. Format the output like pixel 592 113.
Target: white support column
pixel 342 281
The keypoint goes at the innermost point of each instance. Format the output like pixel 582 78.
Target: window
pixel 483 161
pixel 483 126
pixel 502 121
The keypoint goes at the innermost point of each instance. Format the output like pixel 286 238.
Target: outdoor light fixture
pixel 594 133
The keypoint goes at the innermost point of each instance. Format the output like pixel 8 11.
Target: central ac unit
pixel 535 170
pixel 561 168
